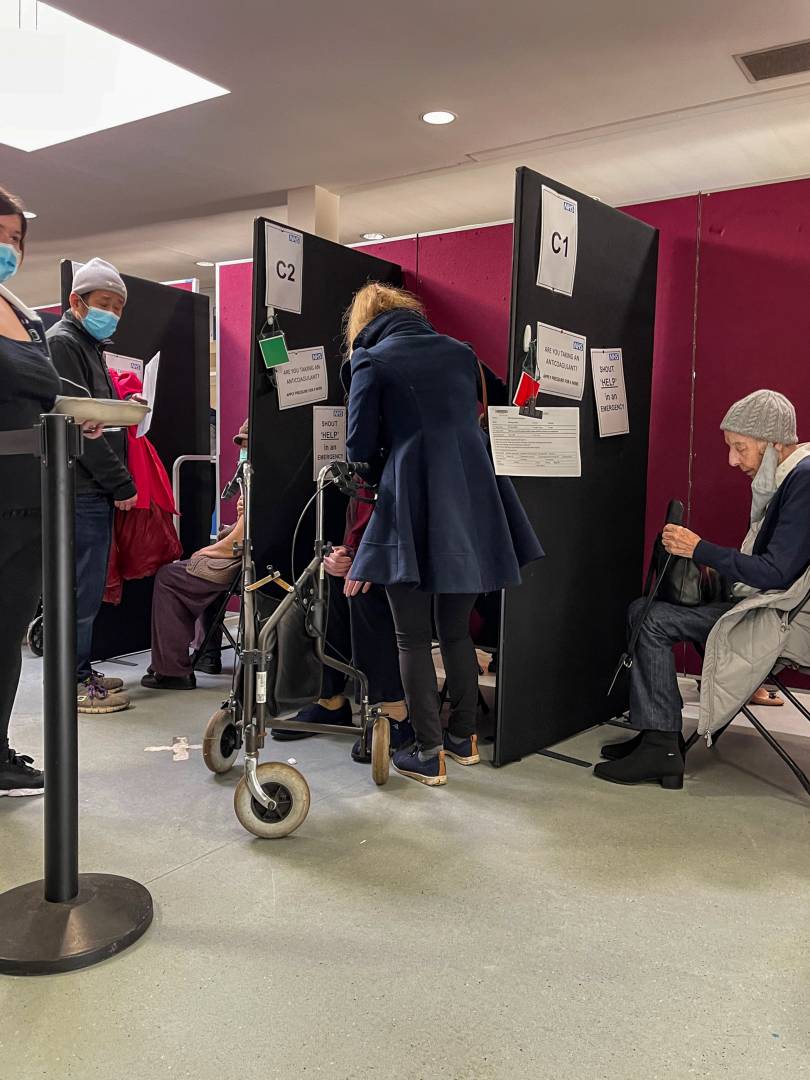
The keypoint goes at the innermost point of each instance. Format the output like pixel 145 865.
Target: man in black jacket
pixel 77 344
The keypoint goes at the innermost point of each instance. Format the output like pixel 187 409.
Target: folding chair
pixel 769 738
pixel 218 625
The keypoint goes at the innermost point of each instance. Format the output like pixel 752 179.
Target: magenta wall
pixel 753 331
pixel 670 411
pixel 234 283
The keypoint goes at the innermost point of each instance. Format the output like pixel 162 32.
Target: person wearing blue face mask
pixel 103 482
pixel 28 386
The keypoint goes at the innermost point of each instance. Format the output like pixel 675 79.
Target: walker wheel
pixel 35 633
pixel 221 742
pixel 289 790
pixel 381 751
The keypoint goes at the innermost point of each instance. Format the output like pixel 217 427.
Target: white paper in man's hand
pixel 149 388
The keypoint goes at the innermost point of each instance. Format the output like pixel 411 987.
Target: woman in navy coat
pixel 444 528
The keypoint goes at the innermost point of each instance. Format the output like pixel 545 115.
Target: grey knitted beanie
pixel 765 414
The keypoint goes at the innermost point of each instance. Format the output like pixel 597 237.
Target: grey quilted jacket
pixel 744 647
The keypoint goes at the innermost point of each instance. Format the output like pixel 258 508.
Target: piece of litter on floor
pixel 364 841
pixel 179 748
pixel 291 761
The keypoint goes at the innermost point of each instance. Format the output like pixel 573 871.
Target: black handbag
pixel 294 672
pixel 682 581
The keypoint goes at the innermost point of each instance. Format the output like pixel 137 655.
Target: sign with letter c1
pixel 559 227
pixel 284 269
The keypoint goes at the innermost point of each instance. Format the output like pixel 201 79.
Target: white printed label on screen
pixel 558 242
pixel 328 437
pixel 560 362
pixel 546 445
pixel 303 380
pixel 115 362
pixel 610 392
pixel 284 253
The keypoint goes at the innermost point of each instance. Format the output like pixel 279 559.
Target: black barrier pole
pixel 59 637
pixel 69 920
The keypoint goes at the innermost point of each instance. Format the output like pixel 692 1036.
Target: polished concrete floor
pixel 523 922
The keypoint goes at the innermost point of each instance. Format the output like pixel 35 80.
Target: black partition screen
pixel 563 631
pixel 174 322
pixel 281 439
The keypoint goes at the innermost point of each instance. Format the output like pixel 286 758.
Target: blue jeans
pixel 655 700
pixel 94 516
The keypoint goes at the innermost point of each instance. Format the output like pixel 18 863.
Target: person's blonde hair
pixel 372 300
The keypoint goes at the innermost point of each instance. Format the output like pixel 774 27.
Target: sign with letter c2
pixel 284 267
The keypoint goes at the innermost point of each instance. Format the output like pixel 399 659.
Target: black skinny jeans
pixel 412 612
pixel 20 584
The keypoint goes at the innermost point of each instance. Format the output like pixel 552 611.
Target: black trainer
pixel 18 776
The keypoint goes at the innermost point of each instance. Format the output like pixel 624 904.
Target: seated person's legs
pixel 210 659
pixel 178 601
pixel 655 700
pixel 332 707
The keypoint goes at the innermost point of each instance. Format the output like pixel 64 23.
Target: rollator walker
pixel 272 798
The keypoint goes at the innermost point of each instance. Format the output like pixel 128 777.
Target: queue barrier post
pixel 67 920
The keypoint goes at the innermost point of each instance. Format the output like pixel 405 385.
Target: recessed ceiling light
pixel 373 236
pixel 439 116
pixel 57 58
pixel 29 214
pixel 203 262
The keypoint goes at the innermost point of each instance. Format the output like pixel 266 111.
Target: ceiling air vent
pixel 774 63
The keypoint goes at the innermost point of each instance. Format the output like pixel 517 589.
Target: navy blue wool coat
pixel 443 521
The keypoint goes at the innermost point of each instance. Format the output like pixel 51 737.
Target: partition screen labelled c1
pixel 562 631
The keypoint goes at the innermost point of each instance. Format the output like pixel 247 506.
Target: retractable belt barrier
pixel 67 920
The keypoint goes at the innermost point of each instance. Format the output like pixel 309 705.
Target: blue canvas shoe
pixel 464 751
pixel 432 772
pixel 315 714
pixel 402 735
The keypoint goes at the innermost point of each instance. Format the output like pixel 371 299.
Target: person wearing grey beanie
pixel 762 440
pixel 103 481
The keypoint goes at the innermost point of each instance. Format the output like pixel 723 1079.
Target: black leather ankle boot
pixel 657 758
pixel 615 751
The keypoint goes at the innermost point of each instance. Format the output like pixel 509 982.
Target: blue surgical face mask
pixel 100 324
pixel 243 454
pixel 9 262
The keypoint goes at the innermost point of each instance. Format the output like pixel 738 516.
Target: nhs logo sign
pixel 614 356
pixel 570 207
pixel 578 346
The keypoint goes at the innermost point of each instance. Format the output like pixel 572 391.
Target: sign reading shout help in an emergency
pixel 610 392
pixel 328 437
pixel 284 255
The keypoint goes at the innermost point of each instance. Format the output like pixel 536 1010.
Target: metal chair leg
pixel 783 754
pixel 790 696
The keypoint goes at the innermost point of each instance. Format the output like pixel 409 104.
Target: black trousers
pixel 413 612
pixel 20 585
pixel 361 631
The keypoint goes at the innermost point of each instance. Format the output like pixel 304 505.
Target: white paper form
pixel 150 378
pixel 535 446
pixel 304 379
pixel 328 436
pixel 610 392
pixel 559 229
pixel 561 362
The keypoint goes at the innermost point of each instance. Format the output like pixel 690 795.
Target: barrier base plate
pixel 38 937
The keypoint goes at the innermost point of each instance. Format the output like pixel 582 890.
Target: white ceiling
pixel 623 99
